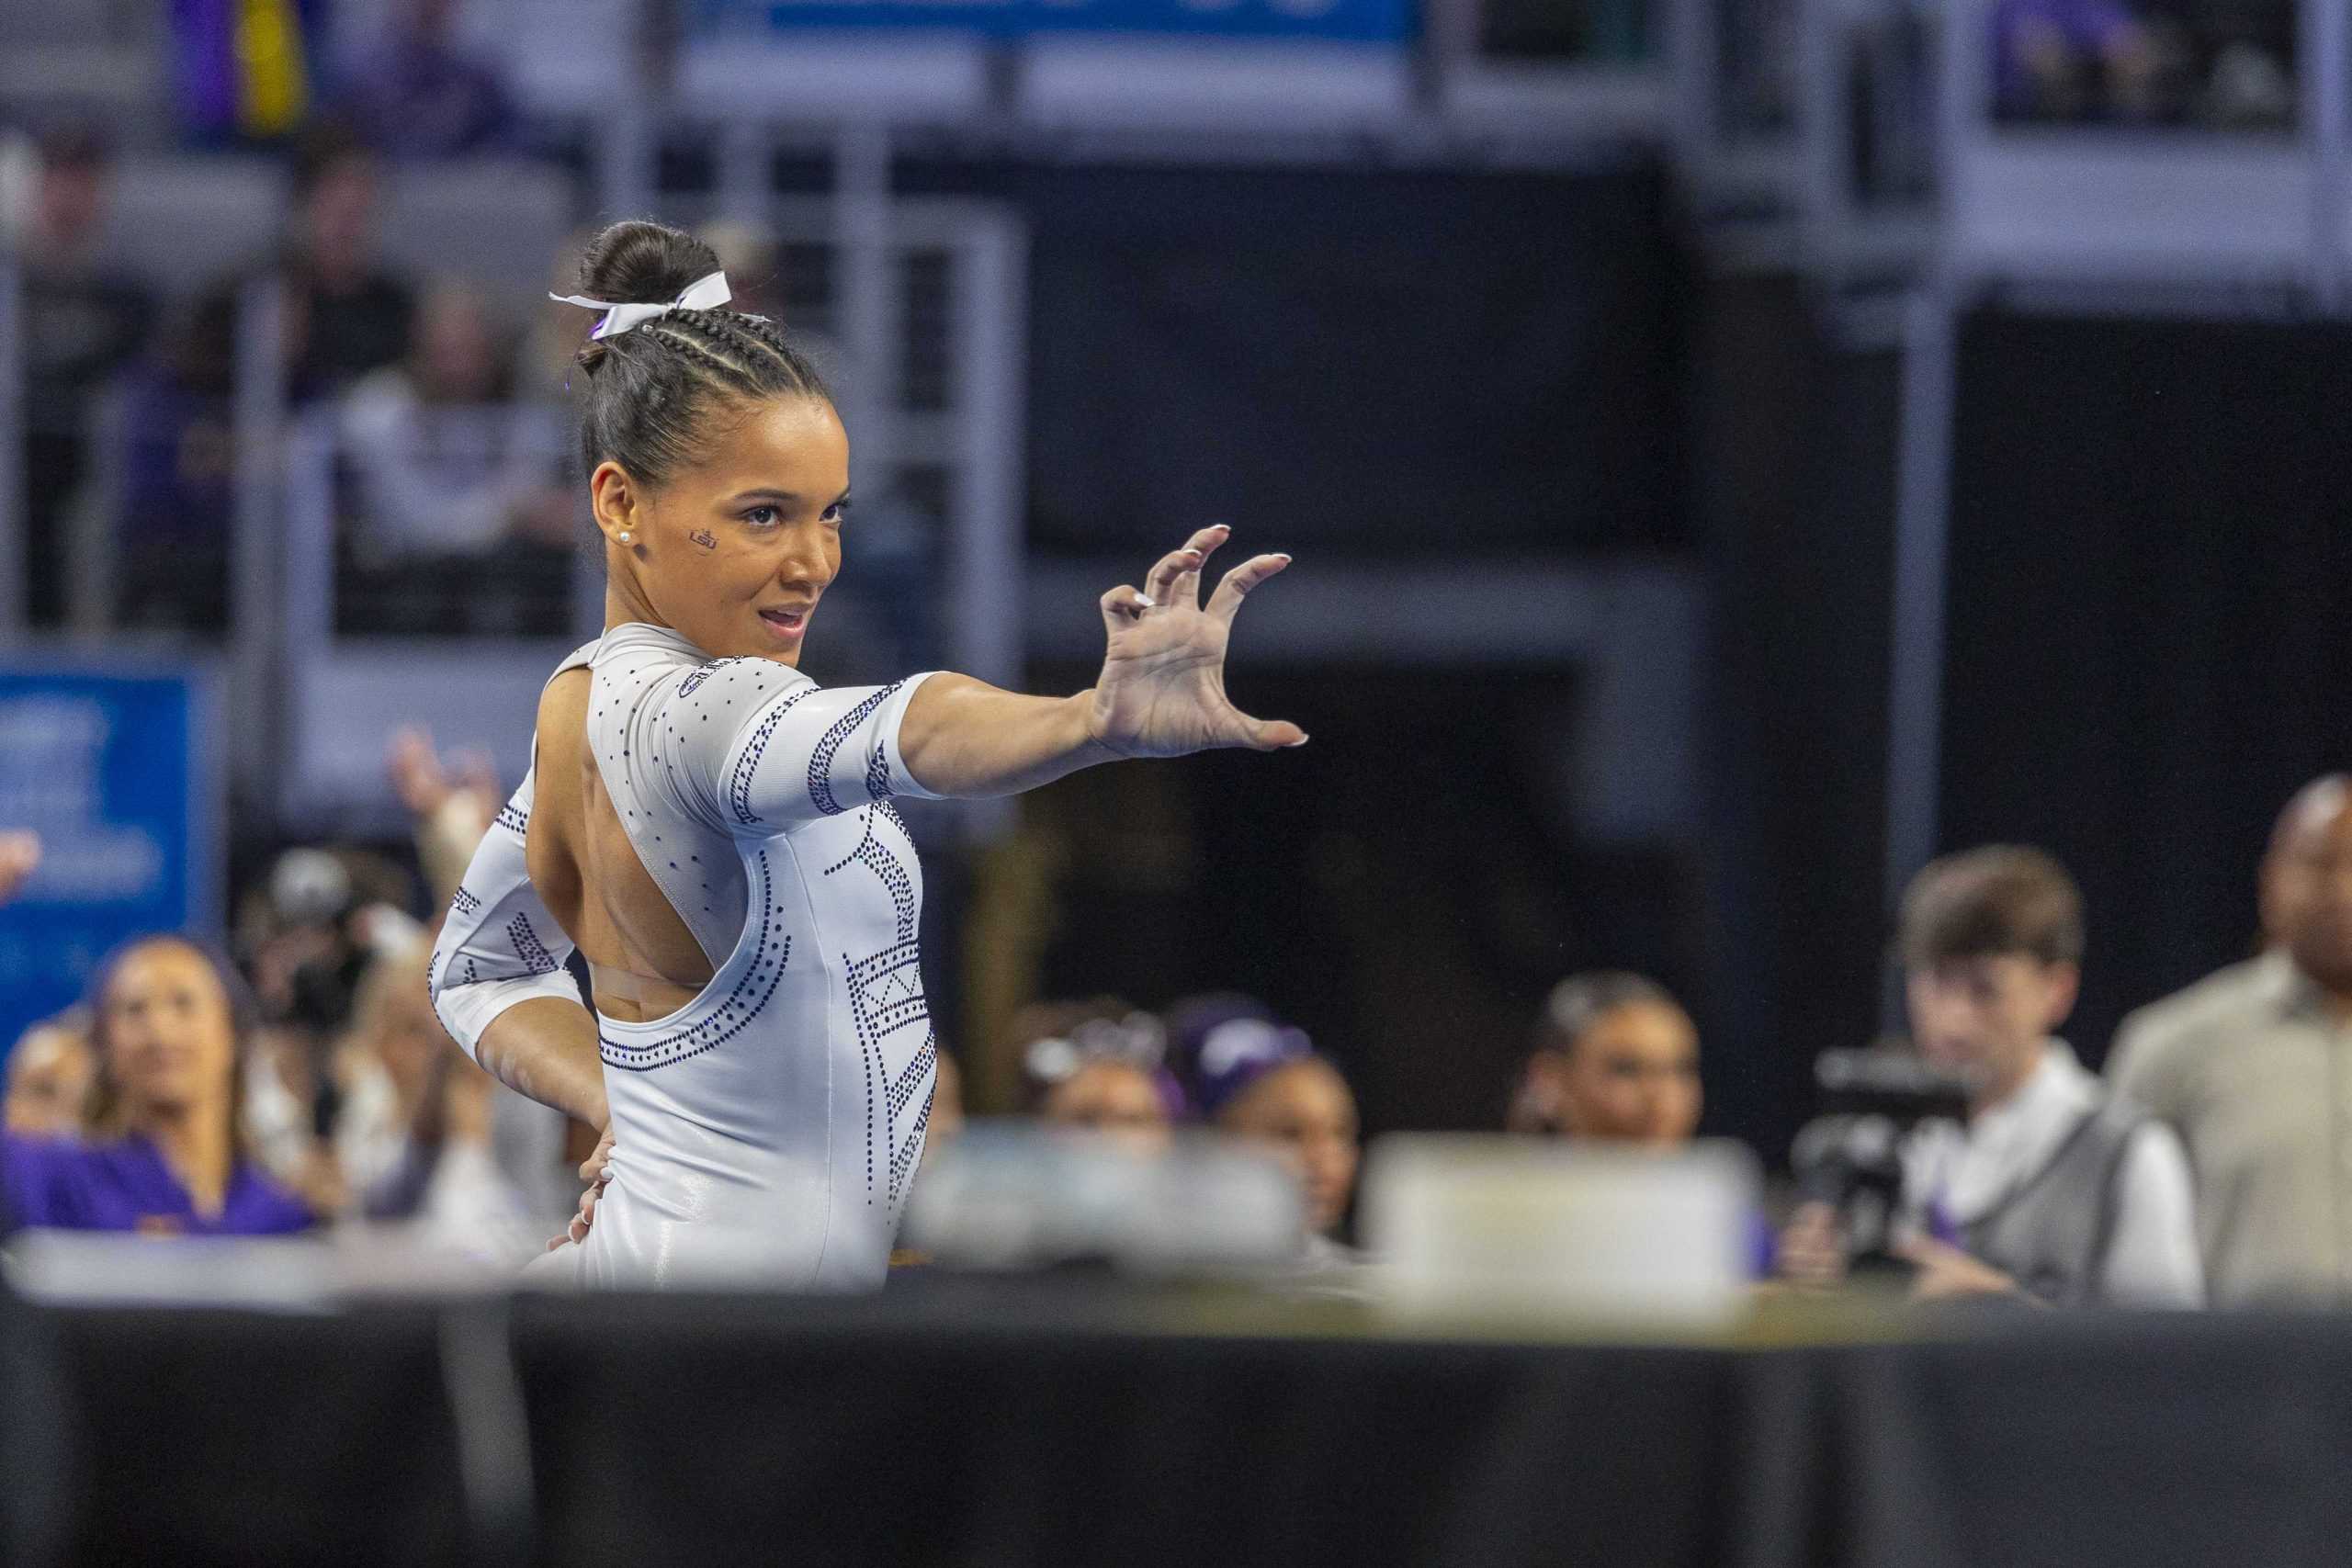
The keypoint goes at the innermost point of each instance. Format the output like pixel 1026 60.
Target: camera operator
pixel 2054 1190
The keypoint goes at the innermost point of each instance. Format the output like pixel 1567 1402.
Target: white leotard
pixel 768 1130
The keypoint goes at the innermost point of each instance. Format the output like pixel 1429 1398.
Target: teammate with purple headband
pixel 1262 1081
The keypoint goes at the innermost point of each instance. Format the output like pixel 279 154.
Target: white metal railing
pixel 258 421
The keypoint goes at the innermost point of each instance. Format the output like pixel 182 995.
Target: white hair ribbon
pixel 703 294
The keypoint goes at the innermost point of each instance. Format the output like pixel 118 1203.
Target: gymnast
pixel 713 832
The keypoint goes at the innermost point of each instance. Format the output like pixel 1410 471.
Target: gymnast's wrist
pixel 1091 746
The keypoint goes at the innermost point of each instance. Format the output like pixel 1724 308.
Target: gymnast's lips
pixel 787 622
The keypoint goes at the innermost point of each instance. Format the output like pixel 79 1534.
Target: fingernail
pixel 1147 601
pixel 1282 557
pixel 1296 744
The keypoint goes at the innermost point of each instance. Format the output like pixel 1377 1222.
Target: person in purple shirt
pixel 164 1155
pixel 418 95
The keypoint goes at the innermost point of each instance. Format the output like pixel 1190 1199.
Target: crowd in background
pixel 301 1079
pixel 2145 63
pixel 449 419
pixel 304 1081
pixel 131 439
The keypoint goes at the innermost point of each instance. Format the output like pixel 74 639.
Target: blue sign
pixel 114 772
pixel 1386 21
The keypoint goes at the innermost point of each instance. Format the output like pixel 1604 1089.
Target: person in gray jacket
pixel 2253 1064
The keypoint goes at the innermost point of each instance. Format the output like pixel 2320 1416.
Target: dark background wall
pixel 1395 367
pixel 2151 614
pixel 1361 360
pixel 1795 464
pixel 2148 647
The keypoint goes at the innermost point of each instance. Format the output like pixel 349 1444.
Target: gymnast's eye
pixel 761 517
pixel 837 513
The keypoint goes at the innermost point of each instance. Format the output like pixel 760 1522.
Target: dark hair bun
pixel 641 263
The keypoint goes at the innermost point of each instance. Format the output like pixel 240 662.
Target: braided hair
pixel 652 392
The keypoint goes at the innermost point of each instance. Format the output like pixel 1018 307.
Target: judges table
pixel 1074 1422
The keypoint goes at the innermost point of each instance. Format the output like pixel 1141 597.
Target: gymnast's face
pixel 733 552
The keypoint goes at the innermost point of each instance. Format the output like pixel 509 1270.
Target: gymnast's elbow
pixel 467 1002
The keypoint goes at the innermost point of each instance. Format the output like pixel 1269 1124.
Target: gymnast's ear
pixel 617 502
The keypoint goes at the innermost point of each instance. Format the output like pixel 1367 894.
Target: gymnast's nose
pixel 811 558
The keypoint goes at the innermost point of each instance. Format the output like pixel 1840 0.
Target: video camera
pixel 1850 1157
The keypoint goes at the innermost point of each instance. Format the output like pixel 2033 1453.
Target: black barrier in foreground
pixel 217 1437
pixel 954 1424
pixel 36 1438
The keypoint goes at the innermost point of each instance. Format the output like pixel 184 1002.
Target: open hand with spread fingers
pixel 1161 692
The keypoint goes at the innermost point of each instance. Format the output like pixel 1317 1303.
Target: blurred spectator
pixel 414 1130
pixel 166 1156
pixel 1106 1095
pixel 2068 60
pixel 1098 1066
pixel 82 322
pixel 244 69
pixel 748 255
pixel 311 932
pixel 547 357
pixel 2055 1189
pixel 178 466
pixel 446 465
pixel 344 315
pixel 49 1072
pixel 288 1105
pixel 2250 1065
pixel 416 95
pixel 1616 1059
pixel 452 807
pixel 306 939
pixel 756 274
pixel 2248 89
pixel 1261 1082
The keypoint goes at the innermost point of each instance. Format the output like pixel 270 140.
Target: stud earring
pixel 623 535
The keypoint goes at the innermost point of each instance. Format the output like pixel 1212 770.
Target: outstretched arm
pixel 1161 692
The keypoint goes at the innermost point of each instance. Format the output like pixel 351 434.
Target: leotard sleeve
pixel 499 946
pixel 752 748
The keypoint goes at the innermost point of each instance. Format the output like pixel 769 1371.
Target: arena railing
pixel 1805 133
